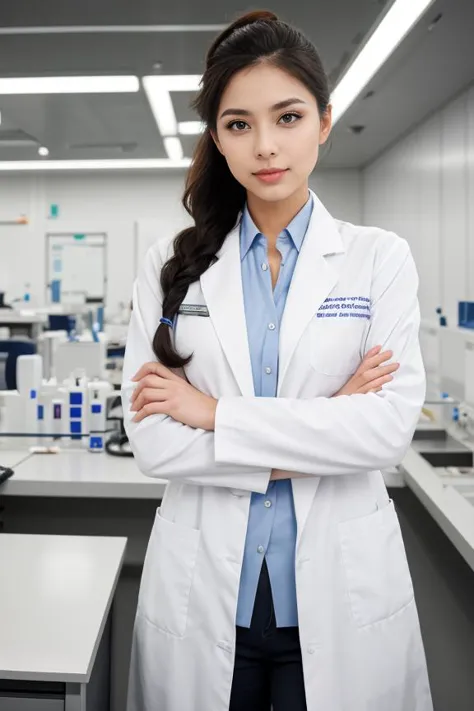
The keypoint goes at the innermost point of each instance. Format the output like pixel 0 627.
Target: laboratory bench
pixel 101 495
pixel 56 596
pixel 81 493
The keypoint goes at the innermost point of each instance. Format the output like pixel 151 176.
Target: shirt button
pixel 271 326
pixel 261 549
pixel 311 650
pixel 267 504
pixel 264 267
pixel 268 370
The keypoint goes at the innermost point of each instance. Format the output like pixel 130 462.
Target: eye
pixel 237 125
pixel 288 118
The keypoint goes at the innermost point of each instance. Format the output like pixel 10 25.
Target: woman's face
pixel 269 120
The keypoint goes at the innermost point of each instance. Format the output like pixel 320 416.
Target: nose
pixel 265 145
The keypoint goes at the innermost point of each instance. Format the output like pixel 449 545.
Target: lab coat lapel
pixel 313 279
pixel 223 292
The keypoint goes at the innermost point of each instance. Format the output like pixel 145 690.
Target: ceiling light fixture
pixel 158 90
pixel 393 28
pixel 69 85
pixel 191 128
pixel 173 147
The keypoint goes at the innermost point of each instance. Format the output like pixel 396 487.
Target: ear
pixel 216 141
pixel 325 125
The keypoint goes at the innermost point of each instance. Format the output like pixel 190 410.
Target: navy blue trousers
pixel 268 672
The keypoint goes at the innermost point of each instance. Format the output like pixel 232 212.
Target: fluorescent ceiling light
pixel 132 164
pixel 161 107
pixel 158 90
pixel 173 82
pixel 173 148
pixel 190 128
pixel 394 27
pixel 69 85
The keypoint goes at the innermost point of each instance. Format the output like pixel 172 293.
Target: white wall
pixel 423 188
pixel 115 204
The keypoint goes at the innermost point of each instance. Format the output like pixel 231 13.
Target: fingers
pixel 375 385
pixel 372 360
pixel 154 368
pixel 148 395
pixel 152 408
pixel 370 375
pixel 149 381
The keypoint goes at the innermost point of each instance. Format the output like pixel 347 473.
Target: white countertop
pixel 451 511
pixel 55 595
pixel 75 473
pixel 11 458
pixel 23 316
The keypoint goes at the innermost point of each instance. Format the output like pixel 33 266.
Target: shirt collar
pixel 296 229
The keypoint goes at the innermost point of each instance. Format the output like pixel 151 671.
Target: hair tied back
pixel 248 19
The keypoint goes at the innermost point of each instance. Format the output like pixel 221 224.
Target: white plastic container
pixel 97 422
pixel 59 417
pixel 78 400
pixel 29 374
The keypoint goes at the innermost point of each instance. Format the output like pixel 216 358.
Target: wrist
pixel 211 424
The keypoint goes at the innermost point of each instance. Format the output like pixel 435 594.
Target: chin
pixel 272 193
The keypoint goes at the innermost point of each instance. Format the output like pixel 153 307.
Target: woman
pixel 275 574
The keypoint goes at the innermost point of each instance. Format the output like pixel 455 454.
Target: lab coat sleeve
pixel 344 434
pixel 162 447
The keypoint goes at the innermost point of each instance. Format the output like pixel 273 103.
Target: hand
pixel 162 392
pixel 370 375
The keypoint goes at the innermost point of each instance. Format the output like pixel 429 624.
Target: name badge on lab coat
pixel 193 310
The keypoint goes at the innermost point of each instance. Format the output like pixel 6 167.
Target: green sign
pixel 79 236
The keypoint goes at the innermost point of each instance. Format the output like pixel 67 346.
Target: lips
pixel 271 171
pixel 271 176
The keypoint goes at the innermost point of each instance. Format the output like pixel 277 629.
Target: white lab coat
pixel 359 630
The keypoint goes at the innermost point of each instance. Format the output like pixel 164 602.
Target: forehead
pixel 259 87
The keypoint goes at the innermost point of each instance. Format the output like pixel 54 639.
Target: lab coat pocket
pixel 335 345
pixel 168 574
pixel 377 575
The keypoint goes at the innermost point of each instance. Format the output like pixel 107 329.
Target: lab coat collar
pixel 296 229
pixel 313 279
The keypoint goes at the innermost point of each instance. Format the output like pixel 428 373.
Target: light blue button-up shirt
pixel 271 531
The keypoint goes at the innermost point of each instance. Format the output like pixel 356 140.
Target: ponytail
pixel 214 199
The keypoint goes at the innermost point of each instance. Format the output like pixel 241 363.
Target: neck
pixel 272 217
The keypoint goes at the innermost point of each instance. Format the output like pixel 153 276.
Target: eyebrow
pixel 276 107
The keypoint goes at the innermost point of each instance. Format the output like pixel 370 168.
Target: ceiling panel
pixel 426 70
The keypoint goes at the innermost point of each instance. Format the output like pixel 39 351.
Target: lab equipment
pixel 59 427
pixel 97 423
pixel 78 404
pixel 466 314
pixel 47 347
pixel 44 411
pixel 29 373
pixel 86 355
pixel 14 348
